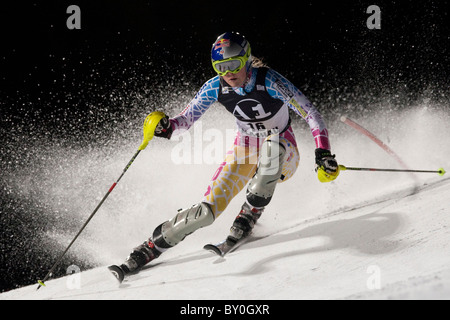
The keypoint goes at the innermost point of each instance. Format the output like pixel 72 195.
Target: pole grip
pixel 150 123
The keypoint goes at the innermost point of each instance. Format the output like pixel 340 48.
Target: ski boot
pixel 244 223
pixel 140 256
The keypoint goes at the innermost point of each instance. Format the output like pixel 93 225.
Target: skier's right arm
pixel 204 98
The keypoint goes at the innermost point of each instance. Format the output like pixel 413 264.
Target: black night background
pixel 87 88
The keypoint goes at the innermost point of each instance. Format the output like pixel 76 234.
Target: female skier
pixel 264 152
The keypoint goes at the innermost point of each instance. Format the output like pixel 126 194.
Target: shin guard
pixel 262 186
pixel 172 232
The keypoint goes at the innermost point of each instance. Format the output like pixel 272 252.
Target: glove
pixel 164 128
pixel 326 166
pixel 326 161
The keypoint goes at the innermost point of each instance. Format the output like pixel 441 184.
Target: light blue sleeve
pixel 280 88
pixel 204 98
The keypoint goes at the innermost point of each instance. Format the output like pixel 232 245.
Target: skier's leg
pixel 169 234
pixel 292 157
pixel 277 164
pixel 270 166
pixel 229 179
pixel 172 232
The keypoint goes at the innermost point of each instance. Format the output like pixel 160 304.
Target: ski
pixel 225 246
pixel 117 272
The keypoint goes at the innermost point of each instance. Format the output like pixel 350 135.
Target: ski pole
pixel 150 124
pixel 441 171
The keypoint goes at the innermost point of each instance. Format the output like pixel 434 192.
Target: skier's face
pixel 236 79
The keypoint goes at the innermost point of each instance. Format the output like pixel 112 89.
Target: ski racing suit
pixel 264 152
pixel 261 109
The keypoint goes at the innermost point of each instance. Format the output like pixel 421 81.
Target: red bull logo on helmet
pixel 222 43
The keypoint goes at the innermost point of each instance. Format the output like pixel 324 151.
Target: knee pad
pixel 172 232
pixel 262 186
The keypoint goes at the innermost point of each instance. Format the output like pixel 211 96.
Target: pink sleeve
pixel 281 88
pixel 318 128
pixel 321 138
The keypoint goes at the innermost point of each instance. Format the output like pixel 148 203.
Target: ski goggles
pixel 233 65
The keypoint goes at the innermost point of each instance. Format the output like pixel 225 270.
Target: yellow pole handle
pixel 150 124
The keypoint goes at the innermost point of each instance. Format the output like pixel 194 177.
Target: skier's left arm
pixel 281 88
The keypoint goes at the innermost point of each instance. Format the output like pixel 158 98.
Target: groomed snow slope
pixel 395 248
pixel 364 236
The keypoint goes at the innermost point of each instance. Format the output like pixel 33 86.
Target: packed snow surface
pixel 368 235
